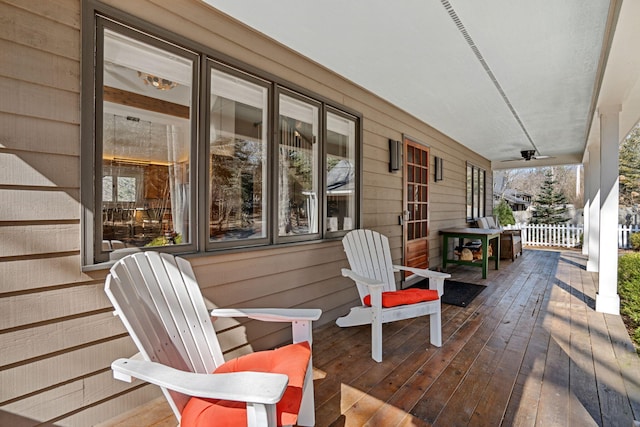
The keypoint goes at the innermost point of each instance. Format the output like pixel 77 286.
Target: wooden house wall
pixel 57 333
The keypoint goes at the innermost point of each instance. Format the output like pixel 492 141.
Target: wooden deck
pixel 530 350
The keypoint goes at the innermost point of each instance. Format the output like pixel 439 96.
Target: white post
pixel 577 181
pixel 585 210
pixel 594 207
pixel 607 299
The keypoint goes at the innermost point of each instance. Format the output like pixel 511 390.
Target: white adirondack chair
pixel 372 270
pixel 159 301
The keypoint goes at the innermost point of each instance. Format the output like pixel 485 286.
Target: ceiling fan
pixel 528 155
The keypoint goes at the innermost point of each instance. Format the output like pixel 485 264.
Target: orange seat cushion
pixel 405 296
pixel 291 360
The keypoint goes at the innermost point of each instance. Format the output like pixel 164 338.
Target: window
pixel 144 140
pixel 194 158
pixel 237 158
pixel 476 196
pixel 298 157
pixel 121 185
pixel 340 171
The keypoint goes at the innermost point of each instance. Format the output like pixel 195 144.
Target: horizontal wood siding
pixel 57 332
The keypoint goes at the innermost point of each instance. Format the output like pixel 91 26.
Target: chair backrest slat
pixel 482 222
pixel 369 255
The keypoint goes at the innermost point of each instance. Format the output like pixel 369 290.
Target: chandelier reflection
pixel 157 82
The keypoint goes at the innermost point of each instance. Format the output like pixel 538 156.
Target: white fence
pixel 565 235
pixel 624 232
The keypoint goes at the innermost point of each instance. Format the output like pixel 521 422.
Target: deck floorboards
pixel 530 350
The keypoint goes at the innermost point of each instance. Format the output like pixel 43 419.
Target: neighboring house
pixel 518 201
pixel 63 189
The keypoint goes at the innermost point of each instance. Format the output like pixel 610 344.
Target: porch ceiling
pixel 497 76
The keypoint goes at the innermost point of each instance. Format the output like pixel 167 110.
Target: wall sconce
pixel 395 155
pixel 438 169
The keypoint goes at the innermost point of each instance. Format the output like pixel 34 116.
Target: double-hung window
pixel 188 154
pixel 476 195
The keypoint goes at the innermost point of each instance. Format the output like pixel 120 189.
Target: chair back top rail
pixel 369 255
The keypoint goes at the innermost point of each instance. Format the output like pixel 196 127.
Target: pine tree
pixel 504 213
pixel 550 206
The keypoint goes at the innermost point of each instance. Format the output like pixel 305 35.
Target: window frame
pixel 123 172
pixel 357 185
pixel 97 16
pixel 477 192
pixel 275 143
pixel 210 245
pixel 103 23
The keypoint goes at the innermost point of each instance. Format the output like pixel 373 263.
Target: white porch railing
pixel 565 235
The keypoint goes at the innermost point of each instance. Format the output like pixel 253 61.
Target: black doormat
pixel 455 293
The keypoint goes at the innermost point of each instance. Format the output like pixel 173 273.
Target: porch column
pixel 585 209
pixel 594 207
pixel 607 299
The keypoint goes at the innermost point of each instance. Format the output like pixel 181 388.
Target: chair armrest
pixel 423 272
pixel 254 387
pixel 300 318
pixel 436 278
pixel 374 287
pixel 270 314
pixel 371 283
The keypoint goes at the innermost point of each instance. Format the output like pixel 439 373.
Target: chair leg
pixel 307 414
pixel 376 340
pixel 435 329
pixel 376 334
pixel 376 326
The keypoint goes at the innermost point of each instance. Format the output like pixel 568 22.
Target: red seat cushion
pixel 291 360
pixel 405 296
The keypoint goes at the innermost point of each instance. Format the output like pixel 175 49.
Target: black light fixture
pixel 395 155
pixel 527 154
pixel 438 169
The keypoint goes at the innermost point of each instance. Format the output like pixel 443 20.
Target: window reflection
pixel 238 151
pixel 146 142
pixel 297 168
pixel 262 178
pixel 341 202
pixel 476 195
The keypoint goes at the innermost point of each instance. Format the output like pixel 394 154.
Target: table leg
pixel 497 254
pixel 445 251
pixel 485 256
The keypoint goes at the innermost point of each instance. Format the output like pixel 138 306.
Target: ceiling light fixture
pixel 157 82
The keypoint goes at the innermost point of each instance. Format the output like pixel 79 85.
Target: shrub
pixel 634 239
pixel 173 239
pixel 504 213
pixel 629 290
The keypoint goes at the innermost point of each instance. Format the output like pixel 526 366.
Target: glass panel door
pixel 416 223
